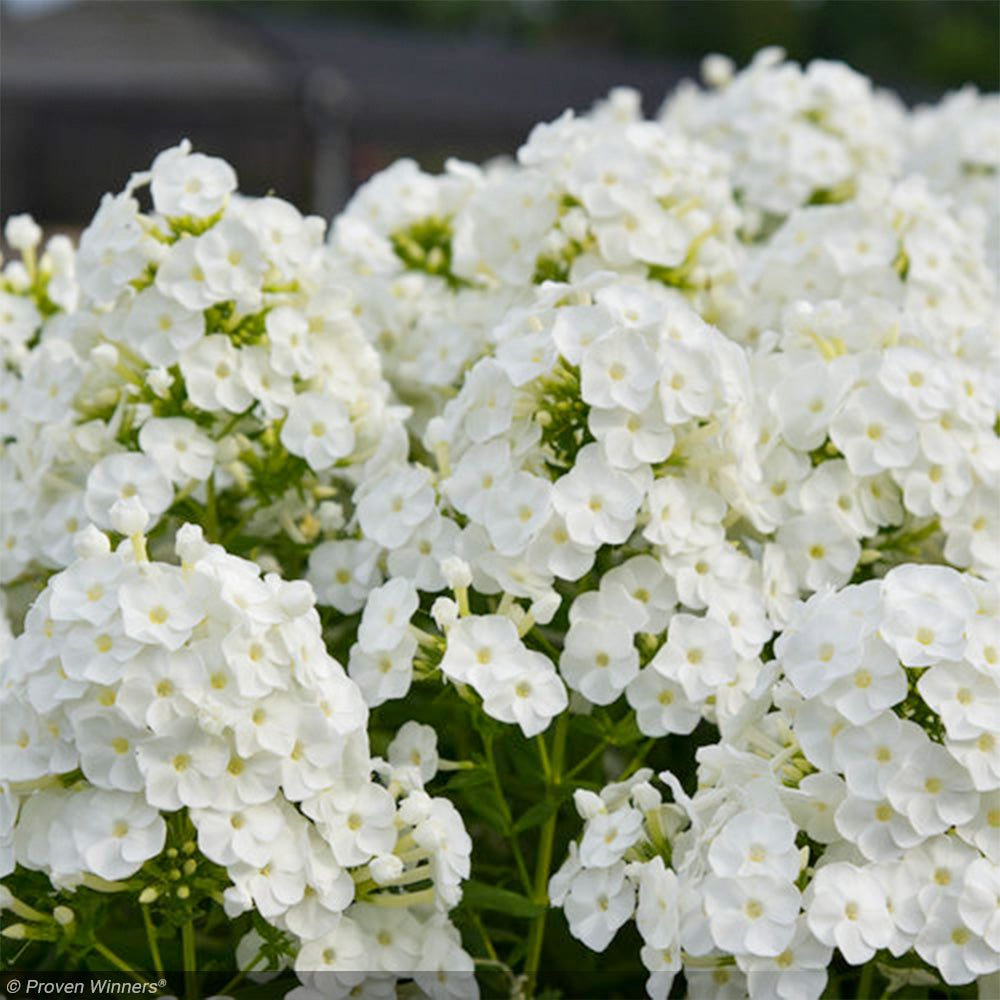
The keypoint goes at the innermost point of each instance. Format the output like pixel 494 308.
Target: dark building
pixel 306 107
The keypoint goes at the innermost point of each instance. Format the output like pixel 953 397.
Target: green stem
pixel 254 962
pixel 547 646
pixel 487 943
pixel 232 422
pixel 599 749
pixel 234 532
pixel 536 935
pixel 211 517
pixel 865 982
pixel 120 963
pixel 544 755
pixel 154 948
pixel 505 809
pixel 640 756
pixel 190 961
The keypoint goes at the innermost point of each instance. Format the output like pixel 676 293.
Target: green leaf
pixel 535 816
pixel 481 896
pixel 483 802
pixel 468 779
pixel 626 732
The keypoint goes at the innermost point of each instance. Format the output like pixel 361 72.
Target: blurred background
pixel 308 98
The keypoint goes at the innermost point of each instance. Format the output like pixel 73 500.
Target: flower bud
pixel 444 611
pixel 105 355
pixel 646 797
pixel 544 608
pixel 456 572
pixel 588 804
pixel 331 515
pixel 22 232
pixel 129 517
pixel 717 70
pixel 160 381
pixel 190 544
pixel 91 543
pixel 385 868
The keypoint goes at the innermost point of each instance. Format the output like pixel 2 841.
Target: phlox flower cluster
pixel 828 132
pixel 140 692
pixel 438 261
pixel 635 489
pixel 197 351
pixel 855 805
pixel 686 438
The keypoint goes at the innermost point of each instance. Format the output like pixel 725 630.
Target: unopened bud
pixel 149 895
pixel 190 866
pixel 91 543
pixel 588 804
pixel 456 572
pixel 717 70
pixel 183 892
pixel 16 932
pixel 22 232
pixel 63 916
pixel 160 381
pixel 129 517
pixel 646 797
pixel 16 277
pixel 544 608
pixel 385 868
pixel 331 515
pixel 105 354
pixel 444 611
pixel 190 546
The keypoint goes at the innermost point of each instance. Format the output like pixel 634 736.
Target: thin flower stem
pixel 190 961
pixel 253 963
pixel 154 948
pixel 403 900
pixel 544 755
pixel 120 963
pixel 637 760
pixel 553 774
pixel 545 644
pixel 599 749
pixel 211 516
pixel 522 868
pixel 232 422
pixel 865 983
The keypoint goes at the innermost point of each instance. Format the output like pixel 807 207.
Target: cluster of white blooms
pixel 692 429
pixel 792 135
pixel 843 416
pixel 138 689
pixel 862 814
pixel 965 166
pixel 438 262
pixel 205 349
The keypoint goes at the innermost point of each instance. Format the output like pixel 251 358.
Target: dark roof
pixel 134 50
pixel 407 80
pixel 307 106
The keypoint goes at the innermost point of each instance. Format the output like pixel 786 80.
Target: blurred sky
pixel 309 97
